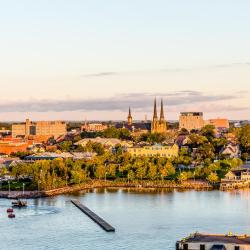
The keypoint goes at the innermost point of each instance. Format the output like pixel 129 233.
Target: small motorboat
pixel 19 203
pixel 10 210
pixel 11 215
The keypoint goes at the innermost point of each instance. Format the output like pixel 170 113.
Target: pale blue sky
pixel 77 58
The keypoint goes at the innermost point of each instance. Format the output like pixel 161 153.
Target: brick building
pixel 39 129
pixel 191 120
pixel 13 145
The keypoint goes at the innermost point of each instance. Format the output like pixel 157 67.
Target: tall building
pixel 158 125
pixel 191 120
pixel 40 128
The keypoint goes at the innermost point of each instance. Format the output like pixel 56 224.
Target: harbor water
pixel 152 219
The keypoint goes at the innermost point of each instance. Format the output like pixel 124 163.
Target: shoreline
pixel 195 185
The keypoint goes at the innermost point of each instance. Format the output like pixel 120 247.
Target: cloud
pixel 166 70
pixel 208 108
pixel 141 102
pixel 100 74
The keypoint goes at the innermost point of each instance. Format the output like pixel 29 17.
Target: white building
pixel 199 241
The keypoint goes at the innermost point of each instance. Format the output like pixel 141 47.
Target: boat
pixel 11 215
pixel 19 203
pixel 10 210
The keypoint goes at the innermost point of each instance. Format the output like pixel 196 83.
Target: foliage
pixel 213 178
pixel 152 137
pixel 86 134
pixel 244 139
pixel 209 132
pixel 65 146
pixel 50 174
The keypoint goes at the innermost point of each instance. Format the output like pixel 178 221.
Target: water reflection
pixel 144 219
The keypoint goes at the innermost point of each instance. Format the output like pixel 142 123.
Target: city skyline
pixel 93 60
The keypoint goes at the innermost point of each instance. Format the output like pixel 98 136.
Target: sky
pixel 92 59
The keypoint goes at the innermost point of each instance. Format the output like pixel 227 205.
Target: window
pixel 202 247
pixel 185 247
pixel 236 248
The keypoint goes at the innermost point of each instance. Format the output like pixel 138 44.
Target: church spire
pixel 130 119
pixel 155 110
pixel 162 111
pixel 129 112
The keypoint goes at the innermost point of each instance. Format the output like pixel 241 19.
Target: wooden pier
pixel 102 223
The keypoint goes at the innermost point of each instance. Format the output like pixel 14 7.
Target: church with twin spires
pixel 158 125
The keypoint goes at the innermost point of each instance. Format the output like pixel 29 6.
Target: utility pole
pixel 9 186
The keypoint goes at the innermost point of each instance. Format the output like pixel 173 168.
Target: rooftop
pixel 192 113
pixel 219 238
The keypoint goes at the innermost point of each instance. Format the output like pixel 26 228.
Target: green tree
pixel 124 134
pixel 152 172
pixel 213 178
pixel 209 132
pixel 219 143
pixel 152 137
pixel 204 151
pixel 78 175
pixel 100 171
pixel 167 170
pixel 111 170
pixel 65 146
pixel 111 132
pixel 141 172
pixel 183 176
pixel 244 139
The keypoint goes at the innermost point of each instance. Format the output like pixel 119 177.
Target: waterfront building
pixel 158 125
pixel 39 129
pixel 191 121
pixel 155 150
pixel 236 178
pixel 200 241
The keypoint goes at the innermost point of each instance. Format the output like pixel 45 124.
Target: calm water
pixel 143 220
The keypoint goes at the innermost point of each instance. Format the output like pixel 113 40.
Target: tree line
pixel 50 174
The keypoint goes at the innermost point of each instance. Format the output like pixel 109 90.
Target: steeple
pixel 130 119
pixel 158 126
pixel 155 110
pixel 162 118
